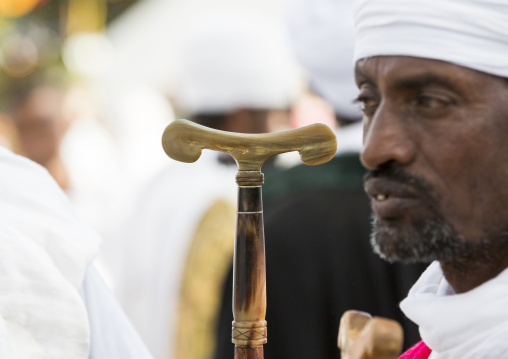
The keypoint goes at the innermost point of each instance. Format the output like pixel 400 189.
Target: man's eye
pixel 367 104
pixel 432 103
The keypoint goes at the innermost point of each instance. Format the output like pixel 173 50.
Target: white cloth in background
pixel 350 138
pixel 112 335
pixel 470 33
pixel 154 241
pixel 322 38
pixel 471 325
pixel 232 58
pixel 45 252
pixel 110 158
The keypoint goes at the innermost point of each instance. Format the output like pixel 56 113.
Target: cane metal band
pixel 249 178
pixel 251 334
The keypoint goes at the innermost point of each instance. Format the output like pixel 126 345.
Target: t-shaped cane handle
pixel 183 141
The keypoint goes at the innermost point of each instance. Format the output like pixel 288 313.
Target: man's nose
pixel 387 138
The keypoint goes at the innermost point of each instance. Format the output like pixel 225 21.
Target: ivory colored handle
pixel 183 141
pixel 364 337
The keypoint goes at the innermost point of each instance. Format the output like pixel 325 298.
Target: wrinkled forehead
pixel 404 68
pixel 413 73
pixel 469 33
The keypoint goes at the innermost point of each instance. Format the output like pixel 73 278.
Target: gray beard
pixel 423 241
pixel 424 237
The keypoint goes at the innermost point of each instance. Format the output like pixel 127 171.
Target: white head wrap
pixel 322 37
pixel 233 58
pixel 470 33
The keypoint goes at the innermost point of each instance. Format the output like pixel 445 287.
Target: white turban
pixel 470 33
pixel 234 58
pixel 322 37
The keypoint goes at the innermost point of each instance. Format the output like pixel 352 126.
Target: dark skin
pixel 447 125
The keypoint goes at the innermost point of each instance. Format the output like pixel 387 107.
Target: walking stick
pixel 183 141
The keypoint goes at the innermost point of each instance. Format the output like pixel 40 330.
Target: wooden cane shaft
pixel 249 273
pixel 248 353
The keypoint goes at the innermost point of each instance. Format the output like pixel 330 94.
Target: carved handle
pixel 183 141
pixel 362 336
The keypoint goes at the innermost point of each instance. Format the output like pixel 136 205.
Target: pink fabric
pixel 418 351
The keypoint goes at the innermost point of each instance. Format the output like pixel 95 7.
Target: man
pixel 53 302
pixel 317 219
pixel 434 92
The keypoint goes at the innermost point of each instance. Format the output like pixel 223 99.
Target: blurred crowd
pixel 88 87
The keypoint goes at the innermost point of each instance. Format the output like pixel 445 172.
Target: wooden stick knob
pixel 183 141
pixel 364 337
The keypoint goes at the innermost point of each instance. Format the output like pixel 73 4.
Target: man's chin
pixel 396 248
pixel 421 241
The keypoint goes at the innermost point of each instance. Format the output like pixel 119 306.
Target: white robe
pixel 50 306
pixel 471 325
pixel 146 257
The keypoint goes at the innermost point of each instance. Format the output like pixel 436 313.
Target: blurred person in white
pixel 36 108
pixel 170 258
pixel 57 127
pixel 322 35
pixel 9 136
pixel 54 304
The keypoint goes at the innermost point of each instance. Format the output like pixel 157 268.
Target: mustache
pixel 397 174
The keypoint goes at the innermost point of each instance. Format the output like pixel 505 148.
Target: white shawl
pixel 471 325
pixel 45 251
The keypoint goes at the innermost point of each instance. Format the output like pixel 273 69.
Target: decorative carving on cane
pixel 362 336
pixel 183 141
pixel 251 334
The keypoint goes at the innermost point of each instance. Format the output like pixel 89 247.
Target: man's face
pixel 436 145
pixel 40 124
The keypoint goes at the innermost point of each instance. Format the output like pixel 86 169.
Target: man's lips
pixel 390 199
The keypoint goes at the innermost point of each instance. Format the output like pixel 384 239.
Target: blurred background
pixel 87 87
pixel 60 107
pixel 86 90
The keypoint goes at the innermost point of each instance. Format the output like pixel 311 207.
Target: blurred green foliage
pixel 45 25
